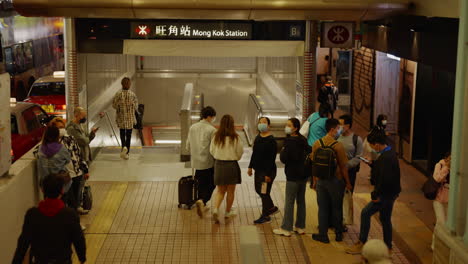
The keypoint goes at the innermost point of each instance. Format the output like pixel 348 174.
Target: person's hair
pixel 56 120
pixel 448 158
pixel 380 118
pixel 207 112
pixel 331 124
pixel 125 79
pixel 296 123
pixel 377 137
pixel 348 120
pixel 327 57
pixel 51 134
pixel 329 78
pixel 226 130
pixel 52 186
pixel 266 118
pixel 78 110
pixel 324 109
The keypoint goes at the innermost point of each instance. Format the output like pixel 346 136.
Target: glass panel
pixel 49 88
pixel 9 60
pixel 14 125
pixel 19 57
pixel 28 55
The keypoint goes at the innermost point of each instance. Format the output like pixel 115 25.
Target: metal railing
pixel 192 105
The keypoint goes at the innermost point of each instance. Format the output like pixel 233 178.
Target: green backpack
pixel 325 164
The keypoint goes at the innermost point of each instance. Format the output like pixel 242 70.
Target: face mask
pixel 63 132
pixel 384 122
pixel 339 132
pixel 83 120
pixel 288 130
pixel 262 127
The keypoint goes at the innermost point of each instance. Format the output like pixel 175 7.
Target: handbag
pixel 87 198
pixel 430 188
pixel 348 208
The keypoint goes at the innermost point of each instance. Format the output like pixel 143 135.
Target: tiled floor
pixel 135 218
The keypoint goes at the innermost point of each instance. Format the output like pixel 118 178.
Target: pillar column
pixel 457 221
pixel 310 69
pixel 71 66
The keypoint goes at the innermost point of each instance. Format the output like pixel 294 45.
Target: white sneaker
pixel 82 211
pixel 200 208
pixel 123 152
pixel 230 214
pixel 83 228
pixel 281 232
pixel 300 231
pixel 127 156
pixel 215 216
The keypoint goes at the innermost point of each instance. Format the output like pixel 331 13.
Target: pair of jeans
pixel 385 207
pixel 74 196
pixel 295 192
pixel 267 202
pixel 330 195
pixel 126 138
pixel 352 176
pixel 206 184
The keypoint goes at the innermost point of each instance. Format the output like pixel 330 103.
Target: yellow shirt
pixel 340 152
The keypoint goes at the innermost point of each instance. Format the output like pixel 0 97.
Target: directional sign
pixel 337 35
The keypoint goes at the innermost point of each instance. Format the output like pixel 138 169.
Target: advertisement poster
pixel 5 131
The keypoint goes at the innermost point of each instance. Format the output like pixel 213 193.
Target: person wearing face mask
pixel 293 156
pixel 77 167
pixel 263 162
pixel 330 178
pixel 386 174
pixel 368 153
pixel 83 138
pixel 198 143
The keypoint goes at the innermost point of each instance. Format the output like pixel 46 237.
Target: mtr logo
pixel 143 30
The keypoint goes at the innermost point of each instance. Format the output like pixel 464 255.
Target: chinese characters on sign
pixel 196 30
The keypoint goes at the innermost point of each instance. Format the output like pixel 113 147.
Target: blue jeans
pixel 295 192
pixel 330 195
pixel 385 207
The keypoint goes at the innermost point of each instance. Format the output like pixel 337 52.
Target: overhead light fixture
pixel 412 30
pixel 166 141
pixel 390 56
pixel 59 74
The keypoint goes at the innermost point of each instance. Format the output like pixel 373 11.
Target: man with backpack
pixel 330 176
pixel 328 94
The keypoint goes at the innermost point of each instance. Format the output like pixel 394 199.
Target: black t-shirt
pixel 264 155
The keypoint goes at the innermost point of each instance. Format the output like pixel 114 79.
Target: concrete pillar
pixel 71 67
pixel 310 69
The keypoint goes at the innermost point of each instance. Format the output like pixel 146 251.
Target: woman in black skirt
pixel 226 148
pixel 263 162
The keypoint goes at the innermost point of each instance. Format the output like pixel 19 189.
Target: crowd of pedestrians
pixel 323 151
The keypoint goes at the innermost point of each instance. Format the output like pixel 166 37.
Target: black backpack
pixel 325 164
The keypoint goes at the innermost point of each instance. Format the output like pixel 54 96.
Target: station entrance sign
pixel 222 30
pixel 337 35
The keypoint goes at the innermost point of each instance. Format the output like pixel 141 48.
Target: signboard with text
pixel 337 35
pixel 192 30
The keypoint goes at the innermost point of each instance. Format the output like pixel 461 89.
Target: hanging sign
pixel 221 30
pixel 337 35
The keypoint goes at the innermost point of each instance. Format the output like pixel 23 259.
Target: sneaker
pixel 321 238
pixel 355 249
pixel 300 231
pixel 123 152
pixel 281 232
pixel 83 228
pixel 339 237
pixel 126 157
pixel 263 220
pixel 216 216
pixel 230 214
pixel 82 211
pixel 200 208
pixel 273 211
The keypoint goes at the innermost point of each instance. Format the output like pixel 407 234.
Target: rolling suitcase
pixel 188 191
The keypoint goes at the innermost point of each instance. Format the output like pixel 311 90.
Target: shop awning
pixel 214 48
pixel 214 9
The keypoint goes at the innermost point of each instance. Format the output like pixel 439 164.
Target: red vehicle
pixel 27 126
pixel 49 92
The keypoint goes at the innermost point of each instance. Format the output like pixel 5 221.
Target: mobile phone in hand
pixel 365 160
